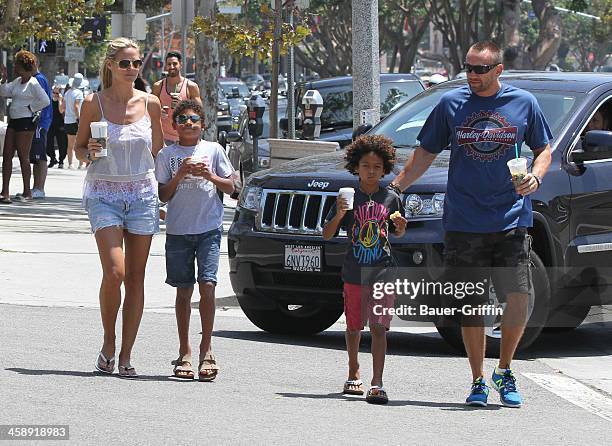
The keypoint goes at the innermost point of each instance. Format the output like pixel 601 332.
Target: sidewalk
pixel 49 242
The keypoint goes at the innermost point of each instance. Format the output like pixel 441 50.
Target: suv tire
pixel 305 320
pixel 537 320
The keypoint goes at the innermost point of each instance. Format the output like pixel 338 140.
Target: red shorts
pixel 361 308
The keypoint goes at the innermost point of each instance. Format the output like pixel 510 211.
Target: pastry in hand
pixel 395 215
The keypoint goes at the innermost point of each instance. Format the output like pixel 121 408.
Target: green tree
pixel 45 19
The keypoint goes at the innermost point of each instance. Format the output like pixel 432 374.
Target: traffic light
pixel 46 46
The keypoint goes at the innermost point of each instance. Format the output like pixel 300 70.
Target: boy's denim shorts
pixel 183 250
pixel 140 217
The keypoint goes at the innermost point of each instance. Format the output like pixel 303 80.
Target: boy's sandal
pixel 5 200
pixel 208 368
pixel 353 387
pixel 104 364
pixel 183 367
pixel 127 371
pixel 377 395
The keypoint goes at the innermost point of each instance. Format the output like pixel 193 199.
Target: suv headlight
pixel 423 207
pixel 249 199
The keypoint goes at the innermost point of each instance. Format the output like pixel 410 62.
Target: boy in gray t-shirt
pixel 188 173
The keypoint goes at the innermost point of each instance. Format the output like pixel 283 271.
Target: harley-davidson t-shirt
pixel 367 227
pixel 482 133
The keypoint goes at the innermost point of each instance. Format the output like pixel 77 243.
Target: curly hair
pixel 188 104
pixel 26 59
pixel 377 144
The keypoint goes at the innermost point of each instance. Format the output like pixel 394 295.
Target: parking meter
pixel 256 107
pixel 312 107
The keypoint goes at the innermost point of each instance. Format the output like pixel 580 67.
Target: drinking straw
pixel 516 150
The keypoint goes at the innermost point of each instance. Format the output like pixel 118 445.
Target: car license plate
pixel 303 258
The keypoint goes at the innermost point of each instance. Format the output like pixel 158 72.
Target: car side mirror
pixel 233 136
pixel 222 138
pixel 364 128
pixel 596 145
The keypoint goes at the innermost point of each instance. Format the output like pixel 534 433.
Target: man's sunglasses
pixel 479 69
pixel 182 119
pixel 125 64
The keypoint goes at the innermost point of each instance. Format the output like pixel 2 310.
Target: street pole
pixel 278 14
pixel 184 37
pixel 366 61
pixel 129 13
pixel 291 83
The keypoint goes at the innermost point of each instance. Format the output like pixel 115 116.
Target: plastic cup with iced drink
pixel 348 193
pixel 197 160
pixel 99 132
pixel 518 170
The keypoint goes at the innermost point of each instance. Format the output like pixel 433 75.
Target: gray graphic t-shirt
pixel 195 207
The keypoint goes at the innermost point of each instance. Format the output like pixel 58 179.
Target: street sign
pixel 74 53
pixel 183 13
pixel 300 4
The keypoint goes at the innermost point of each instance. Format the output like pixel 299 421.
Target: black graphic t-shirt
pixel 367 227
pixel 482 133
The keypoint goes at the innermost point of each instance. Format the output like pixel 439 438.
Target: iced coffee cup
pixel 348 193
pixel 518 170
pixel 197 160
pixel 176 97
pixel 99 132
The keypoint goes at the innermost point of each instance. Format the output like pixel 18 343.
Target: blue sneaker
pixel 478 395
pixel 506 386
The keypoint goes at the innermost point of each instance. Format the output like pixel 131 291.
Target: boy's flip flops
pixel 353 387
pixel 377 395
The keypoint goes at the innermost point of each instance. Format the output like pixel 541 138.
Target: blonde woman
pixel 120 193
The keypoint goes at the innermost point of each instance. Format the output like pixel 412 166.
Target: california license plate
pixel 303 258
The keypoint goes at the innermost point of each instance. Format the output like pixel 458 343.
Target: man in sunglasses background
pixel 189 173
pixel 485 216
pixel 171 90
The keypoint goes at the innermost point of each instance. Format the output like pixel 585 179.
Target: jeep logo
pixel 319 184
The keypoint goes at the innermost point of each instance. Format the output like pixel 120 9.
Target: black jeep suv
pixel 281 212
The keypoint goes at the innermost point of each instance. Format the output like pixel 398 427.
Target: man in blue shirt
pixel 38 150
pixel 485 216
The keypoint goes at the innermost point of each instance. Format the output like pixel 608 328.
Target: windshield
pixel 338 101
pixel 393 94
pixel 404 125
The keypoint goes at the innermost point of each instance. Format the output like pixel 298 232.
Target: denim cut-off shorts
pixel 182 251
pixel 140 217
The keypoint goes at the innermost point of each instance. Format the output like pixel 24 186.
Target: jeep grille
pixel 294 212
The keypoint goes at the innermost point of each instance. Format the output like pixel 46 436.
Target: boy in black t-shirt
pixel 376 212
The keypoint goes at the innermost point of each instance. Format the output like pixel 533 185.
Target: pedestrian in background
pixel 27 99
pixel 57 131
pixel 38 151
pixel 73 99
pixel 120 193
pixel 171 90
pixel 374 214
pixel 189 173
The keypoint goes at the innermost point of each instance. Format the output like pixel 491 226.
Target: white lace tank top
pixel 128 172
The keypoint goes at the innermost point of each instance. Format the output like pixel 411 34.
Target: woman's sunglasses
pixel 125 64
pixel 182 119
pixel 479 69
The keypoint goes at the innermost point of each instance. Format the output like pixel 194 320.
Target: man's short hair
pixel 174 54
pixel 491 47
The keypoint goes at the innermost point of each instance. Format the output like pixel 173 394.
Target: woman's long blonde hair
pixel 113 48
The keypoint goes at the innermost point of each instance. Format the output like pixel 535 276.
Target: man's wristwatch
pixel 538 179
pixel 89 156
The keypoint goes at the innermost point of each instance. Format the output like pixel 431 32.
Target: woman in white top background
pixel 27 98
pixel 120 193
